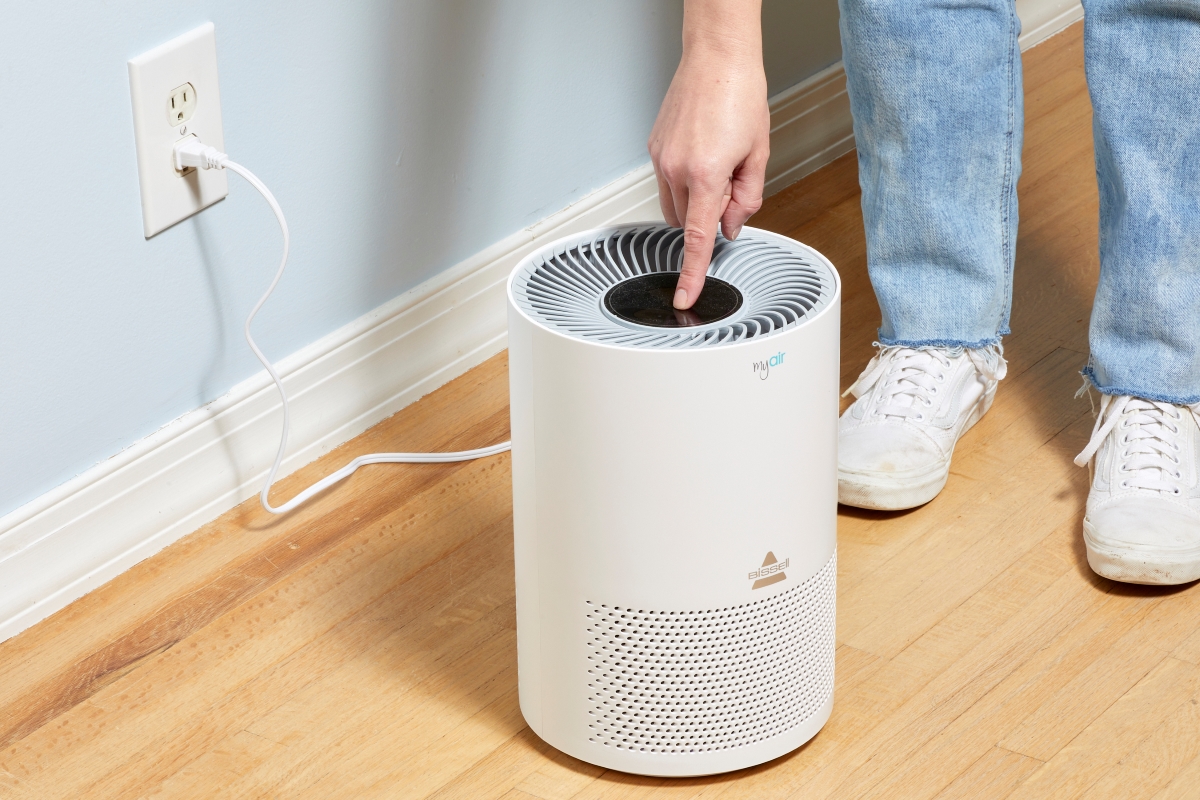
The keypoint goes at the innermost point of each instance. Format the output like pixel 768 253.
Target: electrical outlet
pixel 182 103
pixel 175 94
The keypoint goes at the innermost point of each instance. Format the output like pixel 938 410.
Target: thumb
pixel 699 235
pixel 745 196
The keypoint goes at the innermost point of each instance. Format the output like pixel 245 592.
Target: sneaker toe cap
pixel 887 450
pixel 1145 524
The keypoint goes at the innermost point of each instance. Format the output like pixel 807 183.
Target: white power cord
pixel 190 152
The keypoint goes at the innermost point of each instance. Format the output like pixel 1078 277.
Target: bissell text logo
pixel 763 368
pixel 771 571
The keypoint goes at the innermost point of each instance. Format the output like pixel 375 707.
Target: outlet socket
pixel 175 94
pixel 181 104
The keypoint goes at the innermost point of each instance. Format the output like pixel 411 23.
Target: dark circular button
pixel 647 300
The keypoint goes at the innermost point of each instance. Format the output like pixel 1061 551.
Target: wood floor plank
pixel 886 746
pixel 1183 784
pixel 437 762
pixel 216 768
pixel 1189 648
pixel 994 774
pixel 384 688
pixel 326 721
pixel 504 768
pixel 1161 756
pixel 614 785
pixel 1115 734
pixel 934 764
pixel 517 794
pixel 280 623
pixel 561 778
pixel 1128 657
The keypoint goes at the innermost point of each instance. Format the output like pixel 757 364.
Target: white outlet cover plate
pixel 167 196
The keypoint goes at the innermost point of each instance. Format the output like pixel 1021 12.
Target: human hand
pixel 711 140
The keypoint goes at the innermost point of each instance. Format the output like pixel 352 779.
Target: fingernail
pixel 681 298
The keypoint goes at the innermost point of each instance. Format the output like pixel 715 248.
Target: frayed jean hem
pixel 917 344
pixel 1118 391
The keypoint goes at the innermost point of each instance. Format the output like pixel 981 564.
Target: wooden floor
pixel 365 647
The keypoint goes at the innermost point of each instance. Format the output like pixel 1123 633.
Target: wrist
pixel 725 54
pixel 726 30
pixel 702 65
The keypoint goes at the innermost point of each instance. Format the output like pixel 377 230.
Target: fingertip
pixel 687 289
pixel 734 220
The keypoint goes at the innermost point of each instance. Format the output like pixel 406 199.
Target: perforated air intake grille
pixel 697 681
pixel 782 283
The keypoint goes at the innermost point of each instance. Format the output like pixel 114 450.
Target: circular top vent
pixel 614 286
pixel 648 300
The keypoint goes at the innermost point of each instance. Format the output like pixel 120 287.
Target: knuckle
pixel 689 170
pixel 672 170
pixel 696 237
pixel 705 173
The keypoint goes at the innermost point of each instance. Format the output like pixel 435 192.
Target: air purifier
pixel 674 498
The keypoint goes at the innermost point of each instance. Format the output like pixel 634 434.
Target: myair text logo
pixel 763 368
pixel 771 571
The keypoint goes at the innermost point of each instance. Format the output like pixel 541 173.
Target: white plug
pixel 191 152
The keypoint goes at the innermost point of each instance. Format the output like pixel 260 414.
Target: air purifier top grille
pixel 604 286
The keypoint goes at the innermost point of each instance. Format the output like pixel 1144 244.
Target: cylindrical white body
pixel 658 496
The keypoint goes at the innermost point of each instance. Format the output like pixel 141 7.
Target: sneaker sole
pixel 897 495
pixel 889 493
pixel 1140 565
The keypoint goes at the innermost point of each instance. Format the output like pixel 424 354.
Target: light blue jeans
pixel 935 88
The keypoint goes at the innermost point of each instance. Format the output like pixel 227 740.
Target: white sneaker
pixel 1142 523
pixel 895 442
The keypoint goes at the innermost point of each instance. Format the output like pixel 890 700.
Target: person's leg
pixel 1142 522
pixel 1143 70
pixel 935 88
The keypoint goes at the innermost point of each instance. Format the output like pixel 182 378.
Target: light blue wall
pixel 400 137
pixel 800 38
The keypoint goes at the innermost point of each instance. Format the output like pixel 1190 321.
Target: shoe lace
pixel 1148 443
pixel 907 378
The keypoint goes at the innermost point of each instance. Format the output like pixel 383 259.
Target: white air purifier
pixel 674 499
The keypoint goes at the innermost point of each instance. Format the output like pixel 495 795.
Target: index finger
pixel 704 210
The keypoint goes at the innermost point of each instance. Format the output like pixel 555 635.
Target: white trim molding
pixel 90 529
pixel 1041 19
pixel 810 126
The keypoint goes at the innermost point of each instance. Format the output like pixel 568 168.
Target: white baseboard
pixel 85 532
pixel 1041 19
pixel 810 126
